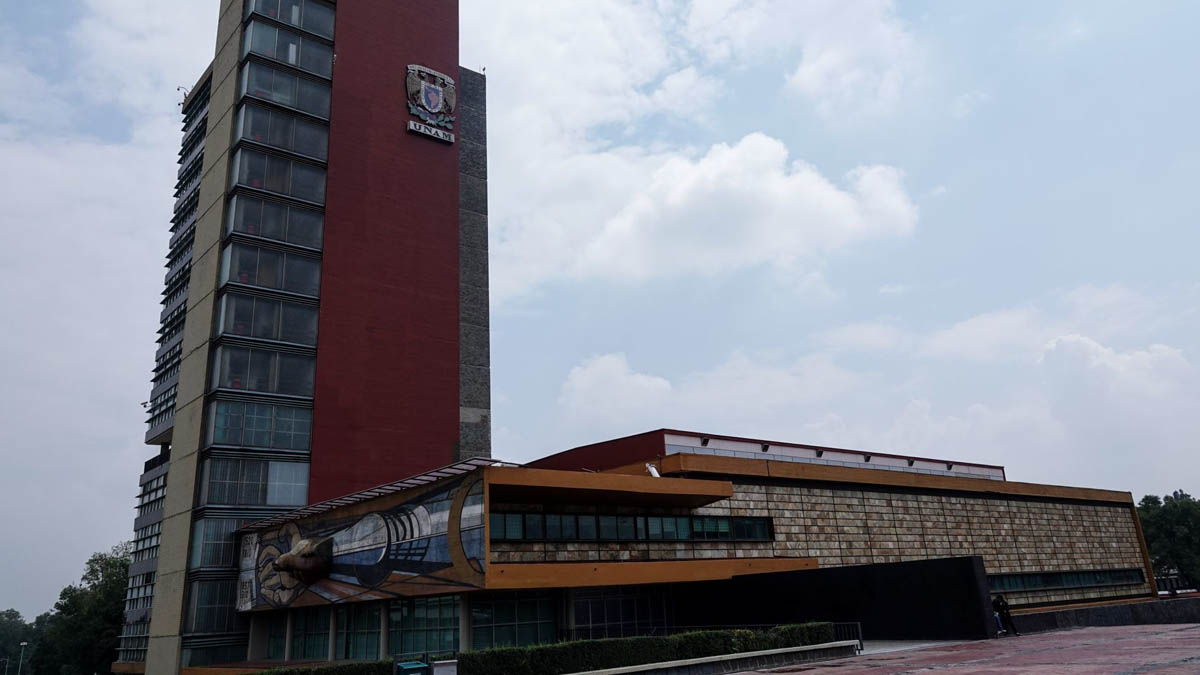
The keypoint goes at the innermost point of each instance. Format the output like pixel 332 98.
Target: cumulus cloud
pixel 742 205
pixel 864 336
pixel 89 164
pixel 852 58
pixel 1001 334
pixel 583 201
pixel 1069 409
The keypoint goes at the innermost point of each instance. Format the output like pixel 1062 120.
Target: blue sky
pixel 950 229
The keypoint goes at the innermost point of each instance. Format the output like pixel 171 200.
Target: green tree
pixel 1172 529
pixel 80 636
pixel 14 631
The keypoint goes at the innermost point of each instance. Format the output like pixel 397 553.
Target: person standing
pixel 1001 608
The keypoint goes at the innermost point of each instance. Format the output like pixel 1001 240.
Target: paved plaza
pixel 1160 649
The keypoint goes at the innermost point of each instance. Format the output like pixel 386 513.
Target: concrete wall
pixel 170 591
pixel 474 344
pixel 945 598
pixel 1179 610
pixel 855 527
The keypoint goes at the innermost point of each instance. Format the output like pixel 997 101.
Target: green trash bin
pixel 410 668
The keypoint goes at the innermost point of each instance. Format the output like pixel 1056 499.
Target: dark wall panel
pixel 607 454
pixel 945 598
pixel 386 400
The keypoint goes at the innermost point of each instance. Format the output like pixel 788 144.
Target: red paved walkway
pixel 1160 650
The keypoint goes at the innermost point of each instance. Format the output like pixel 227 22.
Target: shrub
pixel 800 634
pixel 499 661
pixel 349 668
pixel 584 655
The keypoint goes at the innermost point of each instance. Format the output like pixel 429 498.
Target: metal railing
pixel 848 630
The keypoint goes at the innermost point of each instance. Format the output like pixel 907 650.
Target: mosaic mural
pixel 429 543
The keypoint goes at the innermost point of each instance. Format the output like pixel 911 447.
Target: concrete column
pixel 332 632
pixel 383 628
pixel 287 638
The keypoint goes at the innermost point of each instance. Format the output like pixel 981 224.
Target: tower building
pixel 324 322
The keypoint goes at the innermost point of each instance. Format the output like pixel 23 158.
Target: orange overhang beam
pixel 688 464
pixel 524 485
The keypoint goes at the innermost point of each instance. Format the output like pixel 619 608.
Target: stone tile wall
pixel 856 527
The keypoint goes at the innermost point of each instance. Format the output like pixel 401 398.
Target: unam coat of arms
pixel 431 96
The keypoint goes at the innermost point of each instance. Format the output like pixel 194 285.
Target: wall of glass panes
pixel 512 618
pixel 356 634
pixel 263 370
pixel 279 44
pixel 268 319
pixel 271 269
pixel 620 611
pixel 260 425
pixel 278 129
pixel 524 526
pixel 311 15
pixel 272 220
pixel 213 542
pixel 1041 581
pixel 310 634
pixel 277 86
pixel 211 607
pixel 420 626
pixel 277 636
pixel 255 482
pixel 280 175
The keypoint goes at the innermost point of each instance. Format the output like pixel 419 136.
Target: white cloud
pixel 604 389
pixel 1002 334
pixel 740 206
pixel 863 336
pixel 965 104
pixel 854 58
pixel 570 84
pixel 87 177
pixel 1068 410
pixel 894 289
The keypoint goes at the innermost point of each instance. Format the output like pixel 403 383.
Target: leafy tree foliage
pixel 1172 529
pixel 14 631
pixel 80 636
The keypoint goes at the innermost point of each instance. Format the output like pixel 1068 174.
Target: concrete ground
pixel 1109 650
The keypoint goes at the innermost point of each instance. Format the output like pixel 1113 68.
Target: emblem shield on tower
pixel 431 97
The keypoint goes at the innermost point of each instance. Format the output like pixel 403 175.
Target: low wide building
pixel 669 529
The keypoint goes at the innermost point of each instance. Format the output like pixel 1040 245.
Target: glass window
pixel 254 266
pixel 310 634
pixel 277 86
pixel 277 636
pixel 514 618
pixel 287 484
pixel 496 526
pixel 268 319
pixel 423 626
pixel 213 542
pixel 553 526
pixel 279 175
pixel 1053 580
pixel 212 607
pixel 262 370
pixel 655 526
pixel 587 527
pixel 625 527
pixel 281 130
pixel 607 527
pixel 311 15
pixel 513 526
pixel 534 526
pixel 261 218
pixel 357 631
